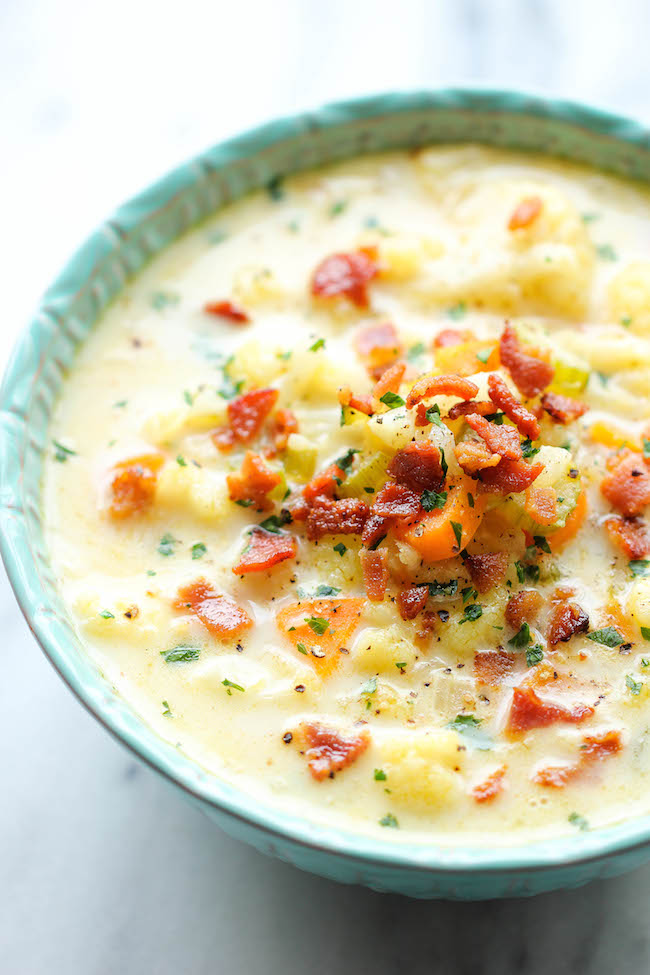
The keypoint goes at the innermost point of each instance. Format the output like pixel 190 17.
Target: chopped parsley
pixel 391 400
pixel 639 567
pixel 167 713
pixel 645 632
pixel 275 188
pixel 608 636
pixel 443 464
pixel 338 208
pixel 534 655
pixel 345 462
pixel 321 590
pixel 606 252
pixel 181 461
pixel 164 299
pixel 527 448
pixel 577 820
pixel 496 418
pixel 244 502
pixel 301 648
pixel 275 522
pixel 120 403
pixel 181 653
pixel 470 499
pixel 285 356
pixel 107 615
pixel 318 344
pixel 198 550
pixel 430 500
pixel 456 312
pixel 484 355
pixel 472 613
pixel 317 624
pixel 645 662
pixel 187 396
pixel 646 447
pixel 376 544
pixel 230 389
pixel 401 666
pixel 416 351
pixel 542 544
pixel 228 684
pixel 468 593
pixel 166 544
pixel 433 416
pixel 626 321
pixel 521 637
pixel 447 589
pixel 458 532
pixel 633 686
pixel 389 820
pixel 61 453
pixel 380 775
pixel 468 726
pixel 340 548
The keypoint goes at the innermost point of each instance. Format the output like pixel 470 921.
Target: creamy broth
pixel 485 715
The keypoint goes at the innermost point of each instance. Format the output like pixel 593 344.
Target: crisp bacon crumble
pixel 530 374
pixel 346 275
pixel 329 751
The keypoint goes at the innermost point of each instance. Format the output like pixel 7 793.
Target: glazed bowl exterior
pixel 68 311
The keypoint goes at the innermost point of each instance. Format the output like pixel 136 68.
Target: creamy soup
pixel 346 496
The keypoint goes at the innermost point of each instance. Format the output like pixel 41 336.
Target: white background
pixel 103 868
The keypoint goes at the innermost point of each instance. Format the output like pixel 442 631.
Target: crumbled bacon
pixel 226 309
pixel 502 440
pixel 510 476
pixel 565 621
pixel 523 607
pixel 473 456
pixel 530 374
pixel 253 482
pixel 361 403
pixel 492 666
pixel 541 505
pixel 324 485
pixel 375 574
pixel 491 787
pixel 482 407
pixel 450 385
pixel 594 749
pixel 374 530
pixel 344 517
pixel 418 467
pixel 380 344
pixel 526 211
pixel 390 380
pixel 628 486
pixel 503 398
pixel 282 425
pixel 487 570
pixel 421 419
pixel 265 550
pixel 450 336
pixel 563 409
pixel 412 601
pixel 220 615
pixel 329 751
pixel 528 710
pixel 246 416
pixel 396 501
pixel 133 485
pixel 630 535
pixel 346 275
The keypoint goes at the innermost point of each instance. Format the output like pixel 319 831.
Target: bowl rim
pixel 17 554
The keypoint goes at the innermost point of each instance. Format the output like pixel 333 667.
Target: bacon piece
pixel 491 787
pixel 219 615
pixel 502 440
pixel 482 407
pixel 412 601
pixel 418 467
pixel 390 380
pixel 346 275
pixel 510 477
pixel 630 535
pixel 528 710
pixel 361 403
pixel 323 485
pixel 379 343
pixel 344 517
pixel 265 550
pixel 492 666
pixel 283 424
pixel 330 751
pixel 133 485
pixel 503 398
pixel 541 505
pixel 375 574
pixel 450 336
pixel 523 607
pixel 298 508
pixel 421 415
pixel 246 416
pixel 396 501
pixel 566 620
pixel 487 570
pixel 563 409
pixel 555 776
pixel 525 213
pixel 628 486
pixel 530 375
pixel 226 309
pixel 374 530
pixel 450 385
pixel 473 456
pixel 253 482
pixel 594 749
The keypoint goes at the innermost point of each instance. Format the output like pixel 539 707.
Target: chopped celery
pixel 300 457
pixel 558 465
pixel 367 479
pixel 571 374
pixel 349 415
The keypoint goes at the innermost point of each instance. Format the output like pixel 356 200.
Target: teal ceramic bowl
pixel 69 309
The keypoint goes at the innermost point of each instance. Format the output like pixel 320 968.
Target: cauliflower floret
pixel 629 297
pixel 422 768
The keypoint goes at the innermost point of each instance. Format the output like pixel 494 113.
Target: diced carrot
pixel 282 425
pixel 321 649
pixel 219 614
pixel 133 485
pixel 463 358
pixel 432 534
pixel 559 538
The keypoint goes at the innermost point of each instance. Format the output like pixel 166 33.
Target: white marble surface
pixel 102 868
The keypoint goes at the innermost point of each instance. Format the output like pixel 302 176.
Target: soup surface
pixel 346 495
